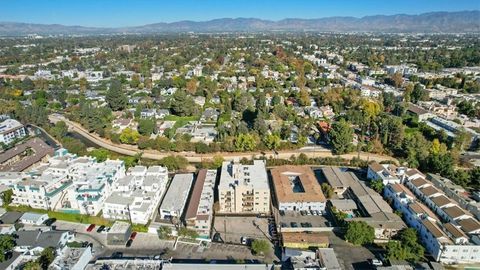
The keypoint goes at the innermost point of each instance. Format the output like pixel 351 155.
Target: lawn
pixel 79 218
pixel 180 121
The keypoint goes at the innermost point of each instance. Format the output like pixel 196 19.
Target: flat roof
pixel 32 216
pixel 177 193
pixel 119 227
pixel 9 124
pixel 254 175
pixel 329 259
pixel 283 178
pixel 336 178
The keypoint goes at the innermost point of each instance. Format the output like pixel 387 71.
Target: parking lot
pixel 295 219
pixel 349 256
pixel 232 229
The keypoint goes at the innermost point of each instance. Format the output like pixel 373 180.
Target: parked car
pixel 90 227
pixel 100 229
pixel 293 224
pixel 243 240
pixel 375 262
pixel 217 238
pixel 129 243
pixel 117 255
pixel 133 235
pixel 49 221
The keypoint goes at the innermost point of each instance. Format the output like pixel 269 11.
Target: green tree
pixel 406 247
pixel 341 136
pixel 27 84
pixel 182 104
pixel 60 130
pixel 174 163
pixel 146 126
pixel 185 232
pixel 327 190
pixel 74 146
pixel 115 97
pixel 418 93
pixel 100 154
pixel 359 233
pixel 217 161
pixel 7 197
pixel 7 242
pixel 245 142
pixel 272 141
pixel 129 136
pixel 32 265
pixel 376 185
pixel 260 246
pixel 46 257
pixel 164 232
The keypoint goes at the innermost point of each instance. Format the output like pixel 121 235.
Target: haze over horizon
pixel 123 13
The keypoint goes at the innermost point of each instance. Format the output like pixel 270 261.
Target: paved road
pixel 132 150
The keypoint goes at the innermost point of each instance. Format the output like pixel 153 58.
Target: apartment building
pixel 173 204
pixel 371 208
pixel 199 213
pixel 449 233
pixel 391 174
pixel 244 188
pixel 10 130
pixel 136 196
pixel 297 188
pixel 68 183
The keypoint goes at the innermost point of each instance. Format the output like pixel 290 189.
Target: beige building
pixel 244 188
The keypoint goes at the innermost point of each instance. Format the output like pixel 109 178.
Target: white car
pixel 376 262
pixel 243 240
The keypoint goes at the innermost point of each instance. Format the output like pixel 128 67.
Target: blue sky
pixel 113 13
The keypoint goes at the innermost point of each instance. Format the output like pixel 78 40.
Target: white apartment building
pixel 175 199
pixel 244 188
pixel 391 174
pixel 136 196
pixel 10 130
pixel 199 213
pixel 68 183
pixel 450 238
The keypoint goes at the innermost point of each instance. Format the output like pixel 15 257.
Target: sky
pixel 118 13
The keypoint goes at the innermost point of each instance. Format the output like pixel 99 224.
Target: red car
pixel 133 235
pixel 90 228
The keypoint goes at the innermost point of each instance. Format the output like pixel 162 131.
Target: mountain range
pixel 433 22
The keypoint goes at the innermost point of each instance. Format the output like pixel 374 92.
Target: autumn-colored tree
pixel 192 86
